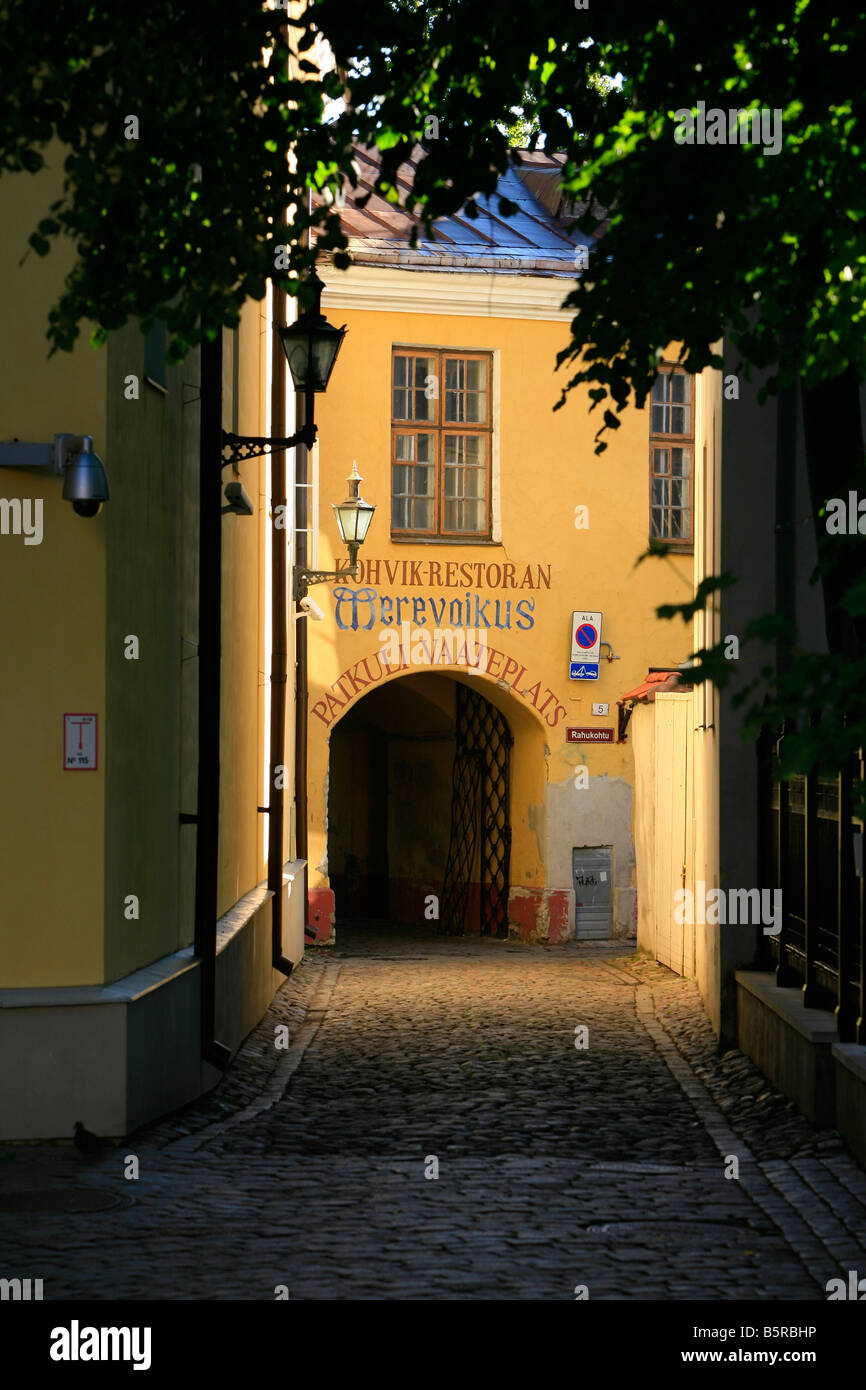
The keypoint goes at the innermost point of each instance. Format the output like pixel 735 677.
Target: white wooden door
pixel 671 777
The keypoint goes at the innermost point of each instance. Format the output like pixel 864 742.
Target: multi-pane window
pixel 671 453
pixel 154 355
pixel 440 443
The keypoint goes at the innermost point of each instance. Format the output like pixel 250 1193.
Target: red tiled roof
pixel 654 682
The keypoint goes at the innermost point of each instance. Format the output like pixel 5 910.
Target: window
pixel 441 438
pixel 671 452
pixel 154 355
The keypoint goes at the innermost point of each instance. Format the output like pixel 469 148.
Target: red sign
pixel 589 735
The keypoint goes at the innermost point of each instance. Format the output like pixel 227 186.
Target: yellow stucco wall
pixel 707 707
pixel 53 626
pixel 241 861
pixel 675 741
pixel 53 823
pixel 547 468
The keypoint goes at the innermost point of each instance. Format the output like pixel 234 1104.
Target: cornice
pixel 472 294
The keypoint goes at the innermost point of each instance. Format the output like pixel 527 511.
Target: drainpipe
pixel 279 645
pixel 786 436
pixel 786 458
pixel 305 411
pixel 209 670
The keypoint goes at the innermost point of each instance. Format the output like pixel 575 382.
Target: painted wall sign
pixel 449 574
pixel 507 670
pixel 589 735
pixel 79 743
pixel 363 608
pixel 585 646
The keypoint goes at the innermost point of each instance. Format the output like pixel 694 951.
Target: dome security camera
pixel 84 482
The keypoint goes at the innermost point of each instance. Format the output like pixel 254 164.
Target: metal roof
pixel 536 240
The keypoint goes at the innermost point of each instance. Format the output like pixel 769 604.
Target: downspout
pixel 279 646
pixel 209 674
pixel 786 446
pixel 786 456
pixel 305 404
pixel 305 410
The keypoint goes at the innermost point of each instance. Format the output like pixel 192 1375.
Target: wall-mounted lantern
pixel 353 519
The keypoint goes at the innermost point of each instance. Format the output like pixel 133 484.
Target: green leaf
pixel 713 584
pixel 655 548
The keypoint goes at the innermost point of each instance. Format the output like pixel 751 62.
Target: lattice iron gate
pixel 480 824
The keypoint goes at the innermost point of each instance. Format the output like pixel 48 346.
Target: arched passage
pixel 392 812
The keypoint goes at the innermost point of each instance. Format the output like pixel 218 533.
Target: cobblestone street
pixel 557 1166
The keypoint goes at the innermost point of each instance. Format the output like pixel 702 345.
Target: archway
pixel 389 786
pixel 397 816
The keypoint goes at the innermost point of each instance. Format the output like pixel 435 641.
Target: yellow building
pixel 479 781
pixel 465 764
pixel 138 931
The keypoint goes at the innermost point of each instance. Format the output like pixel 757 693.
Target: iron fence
pixel 812 848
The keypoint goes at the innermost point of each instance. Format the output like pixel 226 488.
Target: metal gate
pixel 480 824
pixel 593 894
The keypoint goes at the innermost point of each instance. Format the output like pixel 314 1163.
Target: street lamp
pixel 311 344
pixel 353 519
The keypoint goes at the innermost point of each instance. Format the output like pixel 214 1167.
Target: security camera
pixel 238 501
pixel 84 484
pixel 311 609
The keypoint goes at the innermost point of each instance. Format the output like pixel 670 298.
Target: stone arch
pixel 391 741
pixel 371 671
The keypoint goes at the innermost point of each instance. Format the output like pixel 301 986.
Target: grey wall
pixel 117 1056
pixel 150 723
pixel 163 1068
pixel 748 517
pixel 59 1065
pixel 748 509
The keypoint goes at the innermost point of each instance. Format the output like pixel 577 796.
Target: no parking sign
pixel 585 646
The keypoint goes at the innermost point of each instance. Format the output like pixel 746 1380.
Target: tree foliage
pixel 732 228
pixel 761 244
pixel 708 234
pixel 766 249
pixel 174 124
